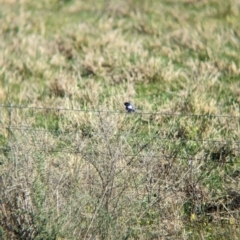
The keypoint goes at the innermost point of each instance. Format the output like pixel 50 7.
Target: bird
pixel 129 107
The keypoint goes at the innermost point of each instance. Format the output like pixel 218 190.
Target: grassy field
pixel 74 164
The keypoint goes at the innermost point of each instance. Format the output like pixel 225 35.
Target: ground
pixel 75 164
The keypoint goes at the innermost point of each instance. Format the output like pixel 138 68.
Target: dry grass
pixel 97 172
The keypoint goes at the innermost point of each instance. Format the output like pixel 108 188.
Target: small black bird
pixel 129 107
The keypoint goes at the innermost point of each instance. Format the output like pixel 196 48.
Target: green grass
pixel 170 170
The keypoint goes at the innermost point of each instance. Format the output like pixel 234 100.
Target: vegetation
pixel 74 164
